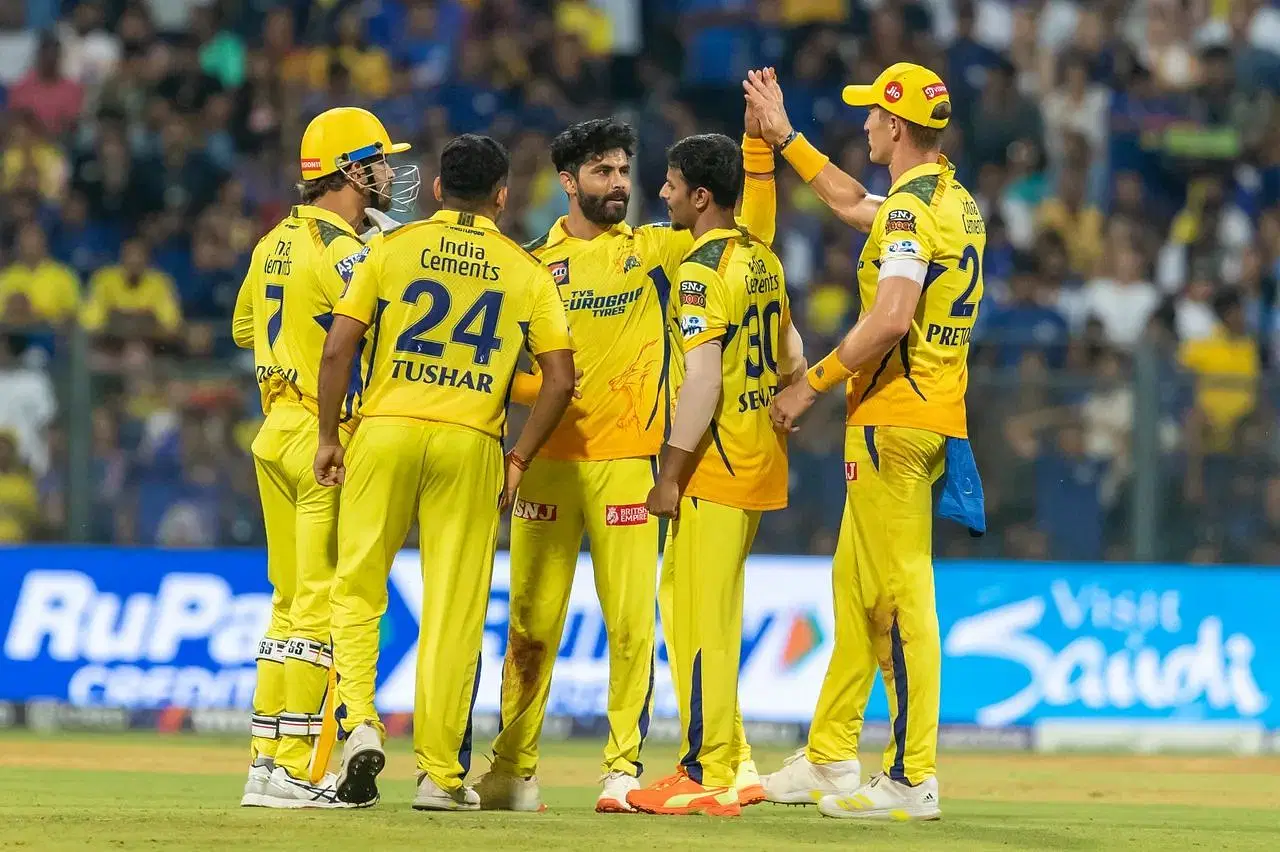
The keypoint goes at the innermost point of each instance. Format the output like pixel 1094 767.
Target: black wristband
pixel 791 137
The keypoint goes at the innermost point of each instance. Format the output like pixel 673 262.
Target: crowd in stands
pixel 1125 155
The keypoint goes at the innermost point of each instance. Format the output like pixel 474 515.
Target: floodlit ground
pixel 180 792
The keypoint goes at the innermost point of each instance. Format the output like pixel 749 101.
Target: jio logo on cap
pixel 893 92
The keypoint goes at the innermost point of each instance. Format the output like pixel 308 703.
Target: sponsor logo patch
pixel 626 515
pixel 692 324
pixel 935 90
pixel 347 266
pixel 560 271
pixel 533 511
pixel 310 163
pixel 900 220
pixel 893 92
pixel 693 293
pixel 903 248
pixel 850 471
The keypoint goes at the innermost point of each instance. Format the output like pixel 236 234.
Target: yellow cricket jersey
pixel 921 381
pixel 285 305
pixel 616 290
pixel 732 289
pixel 450 302
pixel 51 287
pixel 111 290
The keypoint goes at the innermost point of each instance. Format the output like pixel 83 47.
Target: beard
pixel 604 209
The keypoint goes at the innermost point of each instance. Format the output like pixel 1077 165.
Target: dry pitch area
pixel 180 792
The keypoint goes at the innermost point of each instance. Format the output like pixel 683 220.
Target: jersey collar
pixel 558 234
pixel 458 217
pixel 717 234
pixel 311 211
pixel 942 165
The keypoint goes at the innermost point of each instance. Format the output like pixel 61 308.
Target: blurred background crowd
pixel 1125 154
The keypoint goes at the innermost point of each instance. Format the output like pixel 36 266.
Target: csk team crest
pixel 560 271
pixel 632 262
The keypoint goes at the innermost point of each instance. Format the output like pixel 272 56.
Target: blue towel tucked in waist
pixel 962 499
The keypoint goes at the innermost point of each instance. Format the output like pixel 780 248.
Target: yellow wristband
pixel 757 155
pixel 804 158
pixel 828 373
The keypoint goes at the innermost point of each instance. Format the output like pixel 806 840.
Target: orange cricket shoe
pixel 747 782
pixel 680 795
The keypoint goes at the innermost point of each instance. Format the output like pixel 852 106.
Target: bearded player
pixel 283 310
pixel 597 468
pixel 904 367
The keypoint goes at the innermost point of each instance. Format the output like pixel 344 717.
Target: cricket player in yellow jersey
pixel 722 465
pixel 904 362
pixel 450 303
pixel 283 310
pixel 598 465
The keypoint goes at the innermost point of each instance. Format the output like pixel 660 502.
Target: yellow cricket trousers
pixel 706 558
pixel 448 478
pixel 559 500
pixel 885 611
pixel 301 519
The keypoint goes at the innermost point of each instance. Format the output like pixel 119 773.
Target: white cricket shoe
pixel 285 791
pixel 884 798
pixel 613 798
pixel 255 786
pixel 800 782
pixel 432 798
pixel 502 791
pixel 362 760
pixel 747 782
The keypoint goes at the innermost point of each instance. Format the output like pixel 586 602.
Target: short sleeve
pixel 358 276
pixel 703 302
pixel 548 327
pixel 669 246
pixel 906 229
pixel 338 264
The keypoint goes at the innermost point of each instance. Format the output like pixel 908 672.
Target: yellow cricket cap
pixel 907 90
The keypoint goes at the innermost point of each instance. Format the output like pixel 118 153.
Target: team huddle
pixel 666 376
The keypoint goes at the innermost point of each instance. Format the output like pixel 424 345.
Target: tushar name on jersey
pixel 439 374
pixel 460 257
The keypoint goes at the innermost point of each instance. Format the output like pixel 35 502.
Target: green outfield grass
pixel 180 792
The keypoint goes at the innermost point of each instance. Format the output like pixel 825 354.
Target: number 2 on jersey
pixel 962 307
pixel 484 311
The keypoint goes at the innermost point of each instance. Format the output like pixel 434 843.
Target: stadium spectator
pixel 1123 301
pixel 35 288
pixel 132 300
pixel 367 66
pixel 90 52
pixel 54 99
pixel 30 152
pixel 19 500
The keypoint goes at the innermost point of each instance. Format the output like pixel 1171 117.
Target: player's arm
pixel 840 191
pixel 791 361
pixel 548 342
pixel 759 194
pixel 703 324
pixel 351 318
pixel 695 406
pixel 242 317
